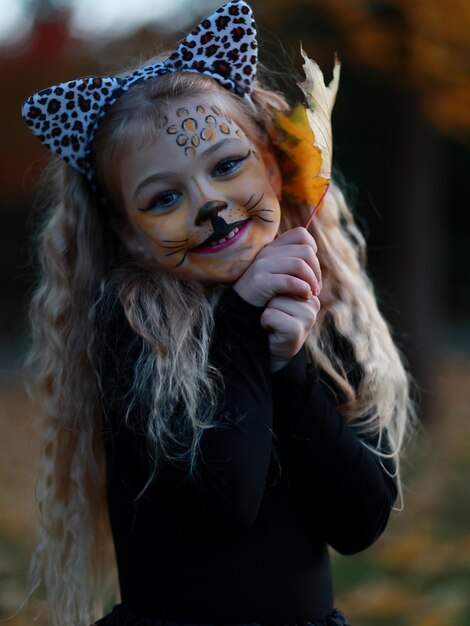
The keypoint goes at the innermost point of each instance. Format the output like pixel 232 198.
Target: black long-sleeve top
pixel 281 478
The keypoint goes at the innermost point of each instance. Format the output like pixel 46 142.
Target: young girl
pixel 197 401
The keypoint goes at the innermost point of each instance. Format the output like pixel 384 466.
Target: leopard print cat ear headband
pixel 65 117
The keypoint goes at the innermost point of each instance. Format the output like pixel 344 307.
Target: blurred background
pixel 401 131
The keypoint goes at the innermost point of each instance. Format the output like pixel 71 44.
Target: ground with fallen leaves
pixel 417 574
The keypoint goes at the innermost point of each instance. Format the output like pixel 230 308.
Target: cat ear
pixel 223 46
pixel 64 116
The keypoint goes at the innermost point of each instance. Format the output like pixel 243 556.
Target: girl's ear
pixel 272 167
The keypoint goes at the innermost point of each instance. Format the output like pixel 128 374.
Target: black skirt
pixel 122 615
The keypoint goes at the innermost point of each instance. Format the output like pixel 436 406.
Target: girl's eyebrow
pixel 217 145
pixel 154 178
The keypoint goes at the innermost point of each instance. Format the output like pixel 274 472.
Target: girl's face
pixel 202 194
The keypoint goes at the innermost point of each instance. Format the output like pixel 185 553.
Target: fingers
pixel 288 265
pixel 288 321
pixel 283 324
pixel 287 284
pixel 299 251
pixel 301 309
pixel 295 243
pixel 291 266
pixel 297 235
pixel 287 334
pixel 302 314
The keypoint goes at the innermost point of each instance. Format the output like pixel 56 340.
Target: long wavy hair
pixel 88 254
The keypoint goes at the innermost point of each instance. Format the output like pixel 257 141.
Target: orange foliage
pixel 300 158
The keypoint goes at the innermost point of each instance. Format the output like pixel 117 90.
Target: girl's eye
pixel 162 201
pixel 227 166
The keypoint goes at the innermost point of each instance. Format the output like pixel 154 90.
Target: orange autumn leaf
pixel 300 158
pixel 304 139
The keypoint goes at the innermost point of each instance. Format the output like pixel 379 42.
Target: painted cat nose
pixel 209 211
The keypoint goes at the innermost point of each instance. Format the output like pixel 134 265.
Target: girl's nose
pixel 209 211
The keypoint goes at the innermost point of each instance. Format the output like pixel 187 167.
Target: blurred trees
pixel 419 46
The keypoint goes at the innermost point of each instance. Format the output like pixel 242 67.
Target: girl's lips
pixel 221 246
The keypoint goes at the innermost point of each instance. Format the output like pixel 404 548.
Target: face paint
pixel 200 194
pixel 205 124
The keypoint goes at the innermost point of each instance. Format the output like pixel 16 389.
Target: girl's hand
pixel 288 320
pixel 287 266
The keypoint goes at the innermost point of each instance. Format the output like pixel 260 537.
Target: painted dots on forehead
pixel 190 125
pixel 207 134
pixel 197 126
